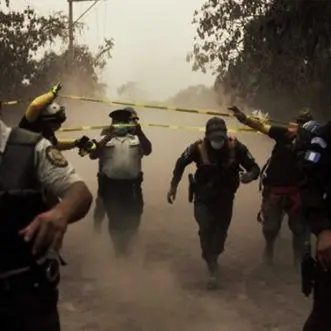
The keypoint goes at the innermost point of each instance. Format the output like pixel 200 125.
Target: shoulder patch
pixel 55 157
pixel 313 157
pixel 319 141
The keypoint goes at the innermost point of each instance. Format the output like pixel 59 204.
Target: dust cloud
pixel 162 286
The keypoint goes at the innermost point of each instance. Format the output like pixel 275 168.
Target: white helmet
pixel 54 113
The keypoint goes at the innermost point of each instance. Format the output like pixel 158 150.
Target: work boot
pixel 268 254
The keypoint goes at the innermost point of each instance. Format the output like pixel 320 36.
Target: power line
pixel 86 11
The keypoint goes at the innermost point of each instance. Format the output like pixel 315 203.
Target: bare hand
pixel 47 231
pixel 324 249
pixel 171 195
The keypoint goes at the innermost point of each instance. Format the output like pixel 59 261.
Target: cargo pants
pixel 213 218
pixel 123 203
pixel 276 203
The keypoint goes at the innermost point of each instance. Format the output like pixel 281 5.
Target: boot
pixel 268 253
pixel 212 275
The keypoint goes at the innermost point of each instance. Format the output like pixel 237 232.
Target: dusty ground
pixel 162 287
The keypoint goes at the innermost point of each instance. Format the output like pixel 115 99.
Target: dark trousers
pixel 28 305
pixel 274 207
pixel 320 317
pixel 123 203
pixel 213 218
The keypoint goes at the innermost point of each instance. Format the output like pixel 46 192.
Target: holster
pixel 191 187
pixel 48 271
pixel 308 267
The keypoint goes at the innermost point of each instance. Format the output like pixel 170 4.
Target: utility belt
pixel 206 190
pixel 109 186
pixel 46 272
pixel 132 181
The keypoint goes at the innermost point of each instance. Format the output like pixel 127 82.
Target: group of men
pixel 36 177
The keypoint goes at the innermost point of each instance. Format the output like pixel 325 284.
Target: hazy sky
pixel 152 38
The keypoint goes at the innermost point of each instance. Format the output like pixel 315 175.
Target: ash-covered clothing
pixel 216 182
pixel 120 194
pixel 29 164
pixel 276 202
pixel 315 184
pixel 281 158
pixel 227 176
pixel 121 158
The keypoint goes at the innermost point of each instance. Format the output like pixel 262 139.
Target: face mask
pixel 217 144
pixel 122 131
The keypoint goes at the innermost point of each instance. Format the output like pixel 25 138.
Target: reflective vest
pixel 21 199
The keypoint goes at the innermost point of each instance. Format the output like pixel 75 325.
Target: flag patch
pixel 312 156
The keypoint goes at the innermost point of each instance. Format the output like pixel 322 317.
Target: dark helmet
pixel 305 115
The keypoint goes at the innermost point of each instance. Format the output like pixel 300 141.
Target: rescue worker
pixel 219 159
pixel 279 178
pixel 30 232
pixel 315 187
pixel 45 116
pixel 120 152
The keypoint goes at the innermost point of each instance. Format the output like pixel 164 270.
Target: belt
pixel 41 262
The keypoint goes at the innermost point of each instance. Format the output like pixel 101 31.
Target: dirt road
pixel 162 287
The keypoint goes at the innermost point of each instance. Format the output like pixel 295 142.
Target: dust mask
pixel 217 144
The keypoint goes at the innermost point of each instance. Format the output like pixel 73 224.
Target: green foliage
pixel 273 54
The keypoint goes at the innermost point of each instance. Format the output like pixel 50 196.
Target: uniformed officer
pixel 30 232
pixel 315 161
pixel 46 117
pixel 219 159
pixel 120 152
pixel 279 178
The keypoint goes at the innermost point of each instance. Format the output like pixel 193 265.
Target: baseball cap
pixel 120 115
pixel 216 129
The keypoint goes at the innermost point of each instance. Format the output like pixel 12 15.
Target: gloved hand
pixel 238 114
pixel 247 177
pixel 171 195
pixel 138 129
pixel 82 142
pixel 56 88
pixel 85 145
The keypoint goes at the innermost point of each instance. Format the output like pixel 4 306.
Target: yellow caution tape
pixel 169 126
pixel 209 112
pixel 148 106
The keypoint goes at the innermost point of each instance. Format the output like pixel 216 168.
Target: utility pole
pixel 71 26
pixel 71 23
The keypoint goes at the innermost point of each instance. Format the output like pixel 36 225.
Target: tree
pixel 265 50
pixel 197 96
pixel 26 35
